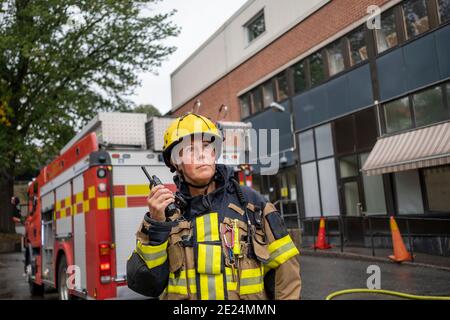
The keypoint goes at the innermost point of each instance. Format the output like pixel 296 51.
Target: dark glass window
pixel 245 105
pixel 358 47
pixel 324 141
pixel 257 99
pixel 282 86
pixel 366 129
pixel 256 27
pixel 397 115
pixel 317 68
pixel 429 106
pixel 344 135
pixel 437 184
pixel 448 94
pixel 299 77
pixel 415 17
pixel 307 152
pixel 386 36
pixel 349 166
pixel 444 10
pixel 268 93
pixel 335 54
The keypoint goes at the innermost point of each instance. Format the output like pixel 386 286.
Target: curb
pixel 355 256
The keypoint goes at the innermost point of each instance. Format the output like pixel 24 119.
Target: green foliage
pixel 62 61
pixel 148 109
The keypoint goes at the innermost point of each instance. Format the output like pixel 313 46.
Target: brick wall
pixel 323 24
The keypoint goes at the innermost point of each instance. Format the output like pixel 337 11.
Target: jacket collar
pixel 204 203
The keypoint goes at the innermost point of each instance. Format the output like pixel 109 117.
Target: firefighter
pixel 229 242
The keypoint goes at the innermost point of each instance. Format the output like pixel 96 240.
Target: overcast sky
pixel 198 20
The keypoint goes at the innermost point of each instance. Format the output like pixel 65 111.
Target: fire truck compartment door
pixel 131 189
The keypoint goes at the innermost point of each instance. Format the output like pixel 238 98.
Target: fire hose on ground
pixel 385 292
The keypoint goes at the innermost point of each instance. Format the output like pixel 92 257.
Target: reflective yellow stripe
pixel 178 285
pixel 120 202
pixel 211 287
pixel 209 258
pixel 79 197
pixel 153 256
pixel 137 189
pixel 220 294
pixel 280 251
pixel 103 203
pixel 91 192
pixel 251 281
pixel 192 279
pixel 86 206
pixel 231 285
pixel 207 227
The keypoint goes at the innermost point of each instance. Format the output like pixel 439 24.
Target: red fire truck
pixel 86 205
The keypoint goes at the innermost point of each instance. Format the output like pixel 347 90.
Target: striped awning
pixel 421 148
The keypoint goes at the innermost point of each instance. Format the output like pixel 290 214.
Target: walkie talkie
pixel 171 209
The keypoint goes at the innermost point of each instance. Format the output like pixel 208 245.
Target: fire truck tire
pixel 36 290
pixel 63 290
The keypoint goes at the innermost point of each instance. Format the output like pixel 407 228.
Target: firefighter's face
pixel 197 160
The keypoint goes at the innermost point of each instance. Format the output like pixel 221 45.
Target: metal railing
pixel 368 229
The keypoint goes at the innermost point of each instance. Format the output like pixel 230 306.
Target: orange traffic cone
pixel 400 252
pixel 321 242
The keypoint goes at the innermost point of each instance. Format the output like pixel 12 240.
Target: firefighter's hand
pixel 160 197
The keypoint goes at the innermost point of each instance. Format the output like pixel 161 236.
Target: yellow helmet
pixel 188 125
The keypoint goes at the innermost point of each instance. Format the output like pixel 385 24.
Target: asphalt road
pixel 320 277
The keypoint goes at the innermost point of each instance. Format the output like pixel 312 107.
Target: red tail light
pixel 105 263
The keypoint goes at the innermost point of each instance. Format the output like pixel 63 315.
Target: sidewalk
pixel 381 255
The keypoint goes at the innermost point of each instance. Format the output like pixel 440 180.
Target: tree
pixel 62 61
pixel 148 109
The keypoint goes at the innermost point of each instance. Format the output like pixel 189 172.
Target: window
pixel 397 115
pixel 351 197
pixel 344 135
pixel 335 57
pixel 245 105
pixel 366 129
pixel 256 26
pixel 328 187
pixel 316 67
pixel 429 106
pixel 386 36
pixel 415 16
pixel 320 191
pixel 409 195
pixel 282 86
pixel 257 99
pixel 437 184
pixel 306 140
pixel 299 77
pixel 444 10
pixel 448 94
pixel 324 141
pixel 358 47
pixel 310 190
pixel 349 166
pixel 373 191
pixel 268 93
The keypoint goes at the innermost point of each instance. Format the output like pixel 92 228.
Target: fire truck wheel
pixel 63 290
pixel 36 290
